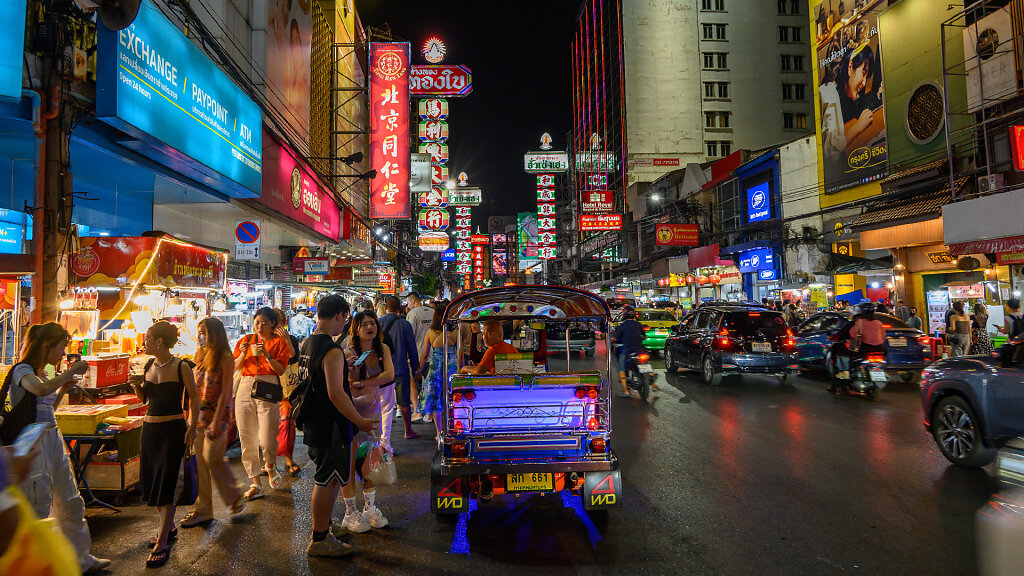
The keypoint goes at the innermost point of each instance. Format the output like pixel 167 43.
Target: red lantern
pixel 702 279
pixel 689 279
pixel 714 278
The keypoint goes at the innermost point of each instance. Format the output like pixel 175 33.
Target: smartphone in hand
pixel 362 358
pixel 28 438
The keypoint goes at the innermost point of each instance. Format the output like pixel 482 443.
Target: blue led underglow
pixel 570 500
pixel 460 541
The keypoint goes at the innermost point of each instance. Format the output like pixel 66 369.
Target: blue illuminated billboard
pixel 11 237
pixel 758 203
pixel 12 46
pixel 757 259
pixel 152 80
pixel 448 255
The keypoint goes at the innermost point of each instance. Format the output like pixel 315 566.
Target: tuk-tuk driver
pixel 495 342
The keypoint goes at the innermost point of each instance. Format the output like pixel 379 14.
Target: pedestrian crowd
pixel 338 378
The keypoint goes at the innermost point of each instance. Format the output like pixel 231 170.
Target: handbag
pixel 267 388
pixel 187 489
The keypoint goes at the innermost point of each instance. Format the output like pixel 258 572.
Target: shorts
pixel 333 462
pixel 402 391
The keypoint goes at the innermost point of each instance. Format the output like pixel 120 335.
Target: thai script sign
pixel 441 80
pixel 466 197
pixel 535 162
pixel 599 222
pixel 598 201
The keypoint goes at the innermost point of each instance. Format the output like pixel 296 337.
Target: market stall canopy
pixel 525 301
pixel 842 264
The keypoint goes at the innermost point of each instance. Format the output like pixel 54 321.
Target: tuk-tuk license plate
pixel 644 368
pixel 530 482
pixel 761 346
pixel 898 342
pixel 878 376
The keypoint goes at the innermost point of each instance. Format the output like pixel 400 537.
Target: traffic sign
pixel 247 240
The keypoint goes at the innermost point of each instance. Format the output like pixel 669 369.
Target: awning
pixel 842 264
pixel 1008 244
pixel 911 208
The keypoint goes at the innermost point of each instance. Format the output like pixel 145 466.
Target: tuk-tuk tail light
pixel 457 397
pixel 592 423
pixel 469 395
pixel 598 445
pixel 592 393
pixel 458 450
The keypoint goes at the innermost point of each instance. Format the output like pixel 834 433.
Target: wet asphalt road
pixel 745 478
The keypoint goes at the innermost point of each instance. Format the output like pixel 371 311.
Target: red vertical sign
pixel 389 130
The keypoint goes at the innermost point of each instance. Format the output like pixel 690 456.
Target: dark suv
pixel 725 339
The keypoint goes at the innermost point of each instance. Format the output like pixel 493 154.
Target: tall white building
pixel 704 78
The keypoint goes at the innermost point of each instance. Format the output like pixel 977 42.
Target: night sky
pixel 519 53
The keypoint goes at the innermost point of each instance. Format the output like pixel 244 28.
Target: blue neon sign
pixel 12 47
pixel 448 256
pixel 758 203
pixel 154 79
pixel 757 259
pixel 11 236
pixel 766 274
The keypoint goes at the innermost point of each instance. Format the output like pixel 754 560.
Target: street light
pixel 655 197
pixel 451 185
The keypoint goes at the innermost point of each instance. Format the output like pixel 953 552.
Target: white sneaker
pixel 329 546
pixel 355 522
pixel 375 517
pixel 428 419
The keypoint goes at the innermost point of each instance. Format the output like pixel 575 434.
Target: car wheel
pixel 589 353
pixel 786 379
pixel 911 377
pixel 830 366
pixel 711 378
pixel 670 363
pixel 957 433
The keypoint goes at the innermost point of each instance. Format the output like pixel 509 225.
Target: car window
pixel 831 322
pixel 891 321
pixel 812 325
pixel 755 322
pixel 656 316
pixel 702 320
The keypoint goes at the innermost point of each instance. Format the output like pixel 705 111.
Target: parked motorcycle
pixel 867 377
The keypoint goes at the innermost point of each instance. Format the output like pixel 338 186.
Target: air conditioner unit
pixel 988 184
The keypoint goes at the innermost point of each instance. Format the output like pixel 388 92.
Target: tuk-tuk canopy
pixel 554 302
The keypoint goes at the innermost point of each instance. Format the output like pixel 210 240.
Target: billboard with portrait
pixel 848 70
pixel 289 38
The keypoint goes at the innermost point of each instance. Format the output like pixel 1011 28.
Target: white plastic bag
pixel 379 467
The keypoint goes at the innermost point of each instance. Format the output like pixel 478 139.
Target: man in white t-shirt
pixel 420 316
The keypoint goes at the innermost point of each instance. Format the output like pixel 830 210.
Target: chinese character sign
pixel 546 216
pixel 389 130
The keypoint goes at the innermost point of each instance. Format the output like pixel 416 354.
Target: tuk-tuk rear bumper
pixel 455 467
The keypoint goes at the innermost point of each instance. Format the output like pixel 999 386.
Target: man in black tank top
pixel 328 424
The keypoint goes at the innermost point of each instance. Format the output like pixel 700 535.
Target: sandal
pixel 275 478
pixel 238 505
pixel 411 435
pixel 293 469
pixel 158 558
pixel 253 493
pixel 194 519
pixel 172 535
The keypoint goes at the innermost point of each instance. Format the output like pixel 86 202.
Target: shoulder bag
pixel 267 388
pixel 14 418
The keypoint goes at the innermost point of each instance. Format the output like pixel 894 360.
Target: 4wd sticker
pixel 451 495
pixel 602 490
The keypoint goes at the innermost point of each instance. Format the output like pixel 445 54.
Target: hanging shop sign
pixel 595 161
pixel 535 162
pixel 12 238
pixel 437 197
pixel 599 222
pixel 967 292
pixel 527 238
pixel 499 262
pixel 1016 257
pixel 597 181
pixel 598 201
pixel 389 130
pixel 452 80
pixel 152 81
pixel 420 173
pixel 433 109
pixel 355 231
pixel 466 197
pixel 12 47
pixel 433 131
pixel 545 209
pixel 767 274
pixel 545 180
pixel 545 194
pixel 247 240
pixel 758 203
pixel 291 190
pixel 757 259
pixel 546 252
pixel 448 255
pixel 438 151
pixel 546 223
pixel 309 266
pixel 432 242
pixel 941 257
pixel 675 234
pixel 480 239
pixel 433 219
pixel 438 175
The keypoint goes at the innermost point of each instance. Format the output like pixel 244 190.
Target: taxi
pixel 657 325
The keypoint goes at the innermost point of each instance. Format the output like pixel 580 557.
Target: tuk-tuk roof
pixel 557 302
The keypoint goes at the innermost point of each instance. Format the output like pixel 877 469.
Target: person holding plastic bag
pixel 286 427
pixel 50 487
pixel 369 368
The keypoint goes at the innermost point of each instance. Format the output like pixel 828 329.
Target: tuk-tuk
pixel 535 425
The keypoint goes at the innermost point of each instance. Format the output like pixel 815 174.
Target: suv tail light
pixel 788 342
pixel 924 340
pixel 648 328
pixel 643 358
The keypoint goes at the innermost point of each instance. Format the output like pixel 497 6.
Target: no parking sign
pixel 247 240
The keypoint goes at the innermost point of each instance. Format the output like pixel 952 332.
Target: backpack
pixel 15 418
pixel 302 402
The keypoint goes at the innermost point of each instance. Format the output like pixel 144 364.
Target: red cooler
pixel 106 370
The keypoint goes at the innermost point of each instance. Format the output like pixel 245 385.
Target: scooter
pixel 867 376
pixel 640 374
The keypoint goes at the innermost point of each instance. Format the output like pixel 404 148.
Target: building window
pixel 717 119
pixel 723 89
pixel 709 61
pixel 719 5
pixel 801 121
pixel 709 119
pixel 712 148
pixel 787 120
pixel 715 60
pixel 709 89
pixel 705 4
pixel 725 147
pixel 720 31
pixel 795 34
pixel 723 119
pixel 787 91
pixel 794 6
pixel 798 63
pixel 723 61
pixel 708 31
pixel 783 33
pixel 782 6
pixel 787 62
pixel 799 93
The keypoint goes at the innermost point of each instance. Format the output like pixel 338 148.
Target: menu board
pixel 938 303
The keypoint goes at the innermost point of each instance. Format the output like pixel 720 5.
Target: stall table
pixel 128 445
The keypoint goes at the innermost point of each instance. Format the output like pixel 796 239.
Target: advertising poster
pixel 290 189
pixel 389 130
pixel 675 234
pixel 499 262
pixel 527 239
pixel 289 37
pixel 12 48
pixel 850 93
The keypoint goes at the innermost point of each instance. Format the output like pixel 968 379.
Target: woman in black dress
pixel 165 434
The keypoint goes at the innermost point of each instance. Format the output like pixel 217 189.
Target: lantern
pixel 702 279
pixel 689 279
pixel 714 278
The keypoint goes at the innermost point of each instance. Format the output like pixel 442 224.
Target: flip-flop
pixel 172 535
pixel 294 469
pixel 158 558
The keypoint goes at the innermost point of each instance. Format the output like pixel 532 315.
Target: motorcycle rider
pixel 871 332
pixel 630 337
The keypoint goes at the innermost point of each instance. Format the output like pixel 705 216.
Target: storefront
pixel 759 266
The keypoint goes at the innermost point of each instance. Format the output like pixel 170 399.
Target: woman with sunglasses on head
pixel 214 367
pixel 51 486
pixel 165 433
pixel 261 358
pixel 367 374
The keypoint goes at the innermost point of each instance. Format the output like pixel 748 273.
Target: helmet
pixel 868 307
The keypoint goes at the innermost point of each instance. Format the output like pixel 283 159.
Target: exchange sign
pixel 438 175
pixel 433 241
pixel 436 198
pixel 433 131
pixel 433 109
pixel 441 80
pixel 389 130
pixel 438 151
